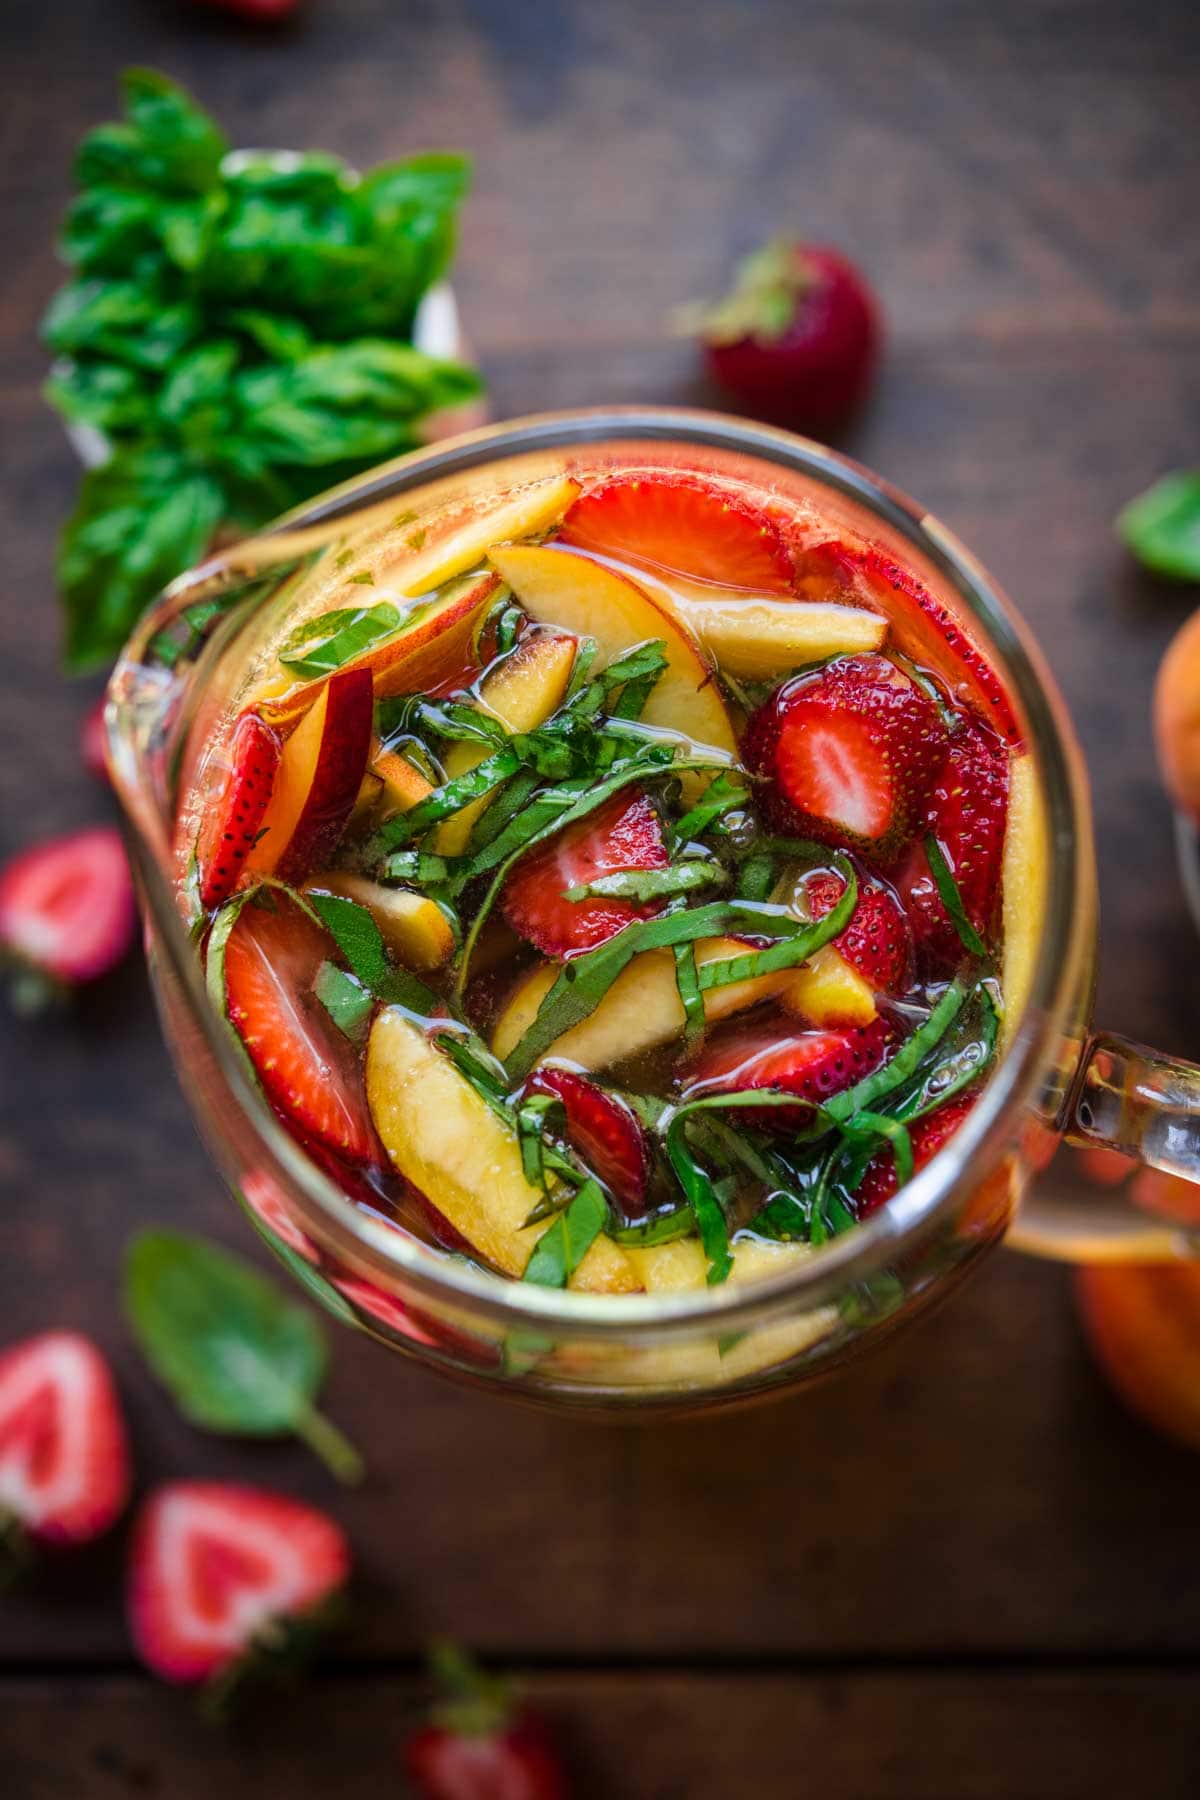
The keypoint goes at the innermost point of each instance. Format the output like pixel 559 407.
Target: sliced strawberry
pixel 928 1135
pixel 605 1131
pixel 215 1570
pixel 966 812
pixel 814 1065
pixel 93 741
pixel 623 834
pixel 309 1068
pixel 686 525
pixel 67 907
pixel 835 569
pixel 233 815
pixel 876 942
pixel 64 1456
pixel 850 753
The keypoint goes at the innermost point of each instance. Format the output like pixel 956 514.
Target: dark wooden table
pixel 961 1571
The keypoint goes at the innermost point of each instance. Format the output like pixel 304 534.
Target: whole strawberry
pixel 64 1455
pixel 796 340
pixel 478 1744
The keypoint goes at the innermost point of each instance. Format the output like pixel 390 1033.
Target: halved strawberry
pixel 64 1455
pixel 876 941
pixel 66 906
pixel 309 1068
pixel 605 1131
pixel 813 1065
pixel 233 815
pixel 925 628
pixel 928 1135
pixel 850 754
pixel 624 834
pixel 684 524
pixel 966 812
pixel 218 1573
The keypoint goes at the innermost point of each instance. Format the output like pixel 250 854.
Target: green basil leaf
pixel 723 795
pixel 235 1355
pixel 665 1228
pixel 687 981
pixel 127 321
pixel 756 877
pixel 702 1197
pixel 141 518
pixel 1162 526
pixel 113 398
pixel 808 939
pixel 564 1244
pixel 951 899
pixel 914 1050
pixel 324 644
pixel 358 938
pixel 167 143
pixel 347 1002
pixel 531 1125
pixel 652 884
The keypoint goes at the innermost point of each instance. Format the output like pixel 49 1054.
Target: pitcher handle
pixel 1129 1098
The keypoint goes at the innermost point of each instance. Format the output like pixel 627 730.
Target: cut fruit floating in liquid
pixel 644 904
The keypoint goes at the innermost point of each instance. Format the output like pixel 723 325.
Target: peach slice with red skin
pixel 565 589
pixel 318 780
pixel 433 649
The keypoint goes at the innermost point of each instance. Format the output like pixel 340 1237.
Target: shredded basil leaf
pixel 563 1246
pixel 347 1002
pixel 358 938
pixel 324 644
pixel 951 899
pixel 652 884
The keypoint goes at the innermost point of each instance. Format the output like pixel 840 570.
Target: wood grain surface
pixel 960 1571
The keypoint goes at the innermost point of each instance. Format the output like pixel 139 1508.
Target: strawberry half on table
pixel 225 1582
pixel 848 755
pixel 480 1743
pixel 624 835
pixel 67 913
pixel 796 340
pixel 64 1455
pixel 682 524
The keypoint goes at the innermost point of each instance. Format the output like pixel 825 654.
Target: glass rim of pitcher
pixel 927 1200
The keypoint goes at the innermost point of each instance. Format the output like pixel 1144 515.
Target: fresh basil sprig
pixel 239 332
pixel 235 1354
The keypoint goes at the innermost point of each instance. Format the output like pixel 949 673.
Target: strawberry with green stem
pixel 480 1743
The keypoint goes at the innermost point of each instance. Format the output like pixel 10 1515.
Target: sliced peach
pixel 365 801
pixel 411 925
pixel 526 514
pixel 828 990
pixel 444 1139
pixel 401 782
pixel 559 587
pixel 757 639
pixel 522 693
pixel 318 780
pixel 1143 1323
pixel 430 648
pixel 641 1009
pixel 1023 878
